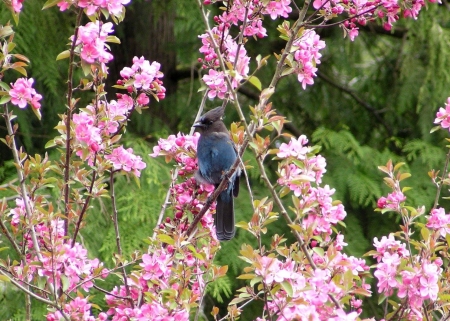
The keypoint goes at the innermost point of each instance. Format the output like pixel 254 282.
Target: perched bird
pixel 216 154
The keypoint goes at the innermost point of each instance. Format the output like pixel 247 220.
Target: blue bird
pixel 216 154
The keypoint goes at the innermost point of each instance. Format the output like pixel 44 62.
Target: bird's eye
pixel 210 122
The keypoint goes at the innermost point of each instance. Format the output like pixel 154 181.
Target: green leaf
pixel 65 282
pixel 5 99
pixel 255 82
pixel 113 39
pixel 86 68
pixel 435 128
pixel 21 70
pixel 63 55
pixel 287 287
pixel 50 3
pixel 5 31
pixel 165 239
pixel 5 86
pixel 4 278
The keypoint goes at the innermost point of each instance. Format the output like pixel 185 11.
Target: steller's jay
pixel 216 154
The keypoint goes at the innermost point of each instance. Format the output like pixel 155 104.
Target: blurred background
pixel 374 99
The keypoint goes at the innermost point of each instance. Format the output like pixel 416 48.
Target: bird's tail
pixel 224 218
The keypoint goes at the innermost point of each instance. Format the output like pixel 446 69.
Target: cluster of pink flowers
pixel 143 76
pixel 392 201
pixel 155 271
pixel 307 56
pixel 77 309
pixel 188 195
pixel 443 116
pixel 362 11
pixel 308 298
pixel 22 93
pixel 239 12
pixel 181 148
pixel 64 262
pixel 114 7
pixel 73 264
pixel 232 52
pixel 94 128
pixel 92 42
pixel 291 175
pixel 298 170
pixel 155 277
pixel 414 282
pixel 124 159
pixel 96 125
pixel 439 221
pixel 45 232
pixel 17 5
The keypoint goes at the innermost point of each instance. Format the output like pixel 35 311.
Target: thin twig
pixel 23 188
pixel 358 99
pixel 444 173
pixel 25 290
pixel 85 206
pixel 175 174
pixel 10 238
pixel 70 108
pixel 119 246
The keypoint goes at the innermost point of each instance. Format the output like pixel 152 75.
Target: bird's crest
pixel 213 115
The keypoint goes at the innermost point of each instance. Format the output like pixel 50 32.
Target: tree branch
pixel 359 100
pixel 70 108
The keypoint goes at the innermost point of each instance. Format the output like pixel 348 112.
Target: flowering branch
pixel 119 247
pixel 70 109
pixel 20 175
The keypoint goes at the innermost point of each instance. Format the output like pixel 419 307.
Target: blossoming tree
pixel 308 279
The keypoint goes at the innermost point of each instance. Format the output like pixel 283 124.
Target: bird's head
pixel 214 116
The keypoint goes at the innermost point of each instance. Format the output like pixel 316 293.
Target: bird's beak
pixel 198 125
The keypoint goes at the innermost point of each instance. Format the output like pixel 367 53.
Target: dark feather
pixel 216 154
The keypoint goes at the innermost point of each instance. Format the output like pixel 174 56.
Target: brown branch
pixel 119 247
pixel 375 112
pixel 68 120
pixel 444 174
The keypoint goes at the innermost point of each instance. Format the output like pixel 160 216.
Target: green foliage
pixel 138 208
pixel 219 288
pixel 41 37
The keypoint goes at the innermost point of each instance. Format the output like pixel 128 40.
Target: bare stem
pixel 250 130
pixel 10 238
pixel 444 173
pixel 119 246
pixel 28 293
pixel 175 174
pixel 23 188
pixel 70 108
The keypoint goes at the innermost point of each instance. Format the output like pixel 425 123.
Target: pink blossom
pixel 443 115
pixel 389 245
pixel 339 242
pixel 386 273
pixel 142 81
pixel 156 266
pixel 143 99
pixel 307 55
pixel 295 148
pixel 124 159
pixel 215 80
pixel 17 5
pixel 92 38
pixel 429 288
pixel 114 7
pixel 392 201
pixel 22 93
pixel 278 8
pixel 440 221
